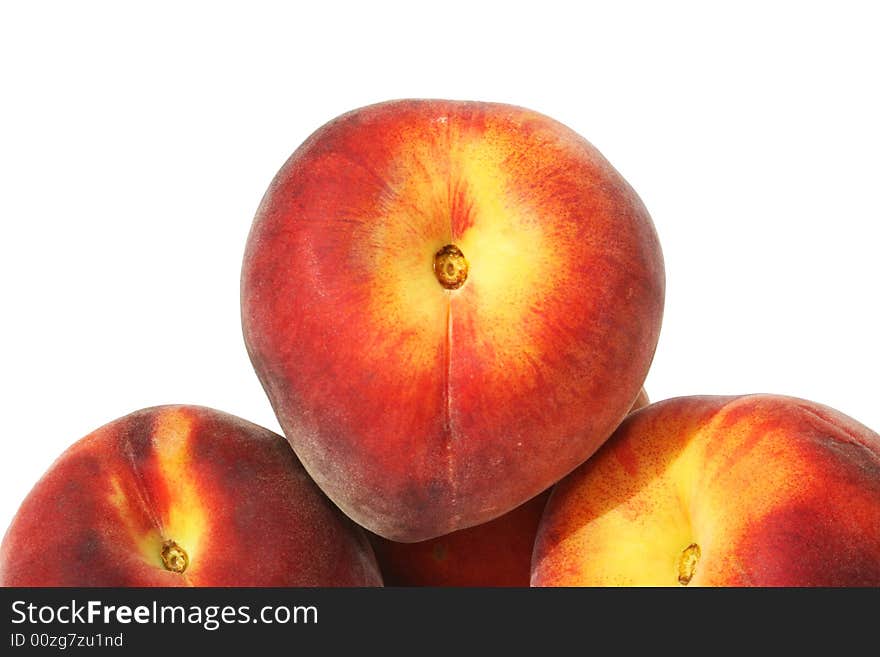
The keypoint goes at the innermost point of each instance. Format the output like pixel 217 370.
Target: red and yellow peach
pixel 451 305
pixel 182 496
pixel 758 490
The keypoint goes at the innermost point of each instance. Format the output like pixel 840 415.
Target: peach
pixel 758 490
pixel 496 553
pixel 450 305
pixel 182 496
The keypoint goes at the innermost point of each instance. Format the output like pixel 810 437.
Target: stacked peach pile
pixel 452 307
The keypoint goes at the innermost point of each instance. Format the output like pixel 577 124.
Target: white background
pixel 137 140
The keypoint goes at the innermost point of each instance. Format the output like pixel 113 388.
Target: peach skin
pixel 759 490
pixel 450 305
pixel 182 496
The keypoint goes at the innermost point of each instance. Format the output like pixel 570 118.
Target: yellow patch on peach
pixel 511 264
pixel 396 252
pixel 635 547
pixel 184 519
pixel 510 260
pixel 147 540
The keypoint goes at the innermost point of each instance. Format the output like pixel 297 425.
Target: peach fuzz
pixel 450 305
pixel 182 496
pixel 758 490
